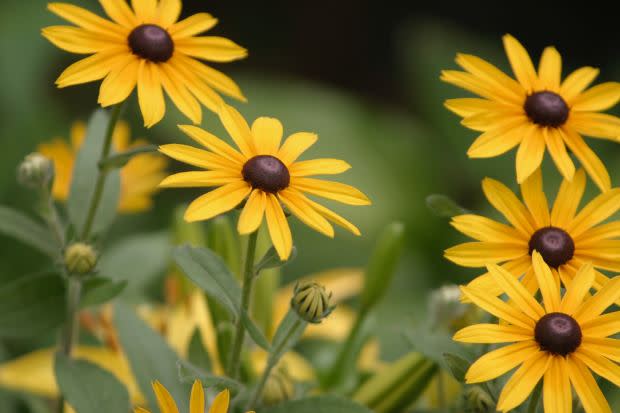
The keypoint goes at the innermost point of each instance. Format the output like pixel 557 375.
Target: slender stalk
pixel 103 172
pixel 51 216
pixel 69 336
pixel 246 295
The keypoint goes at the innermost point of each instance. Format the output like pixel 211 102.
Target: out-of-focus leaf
pixel 18 225
pixel 271 259
pixel 88 388
pixel 100 290
pixel 443 206
pixel 320 404
pixel 458 366
pixel 149 356
pixel 188 373
pixel 85 173
pixel 31 305
pixel 120 159
pixel 254 332
pixel 434 344
pixel 198 354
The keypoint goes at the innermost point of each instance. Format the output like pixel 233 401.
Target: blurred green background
pixel 363 75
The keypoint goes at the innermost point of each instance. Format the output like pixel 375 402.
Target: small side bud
pixel 279 388
pixel 311 302
pixel 80 258
pixel 35 171
pixel 445 306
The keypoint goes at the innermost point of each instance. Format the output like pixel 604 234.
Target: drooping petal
pixel 523 381
pixel 179 93
pixel 578 288
pixel 600 97
pixel 200 179
pixel 333 217
pixel 214 78
pixel 218 201
pixel 197 398
pixel 530 153
pixel 535 199
pixel 192 25
pixel 331 190
pixel 150 93
pixel 592 399
pixel 521 63
pixel 592 163
pixel 295 145
pixel 279 230
pixel 213 143
pixel 576 82
pixel 252 214
pixel 164 399
pixel 550 69
pixel 549 288
pixel 497 362
pixel 524 300
pixel 298 205
pixel 557 393
pixel 195 86
pixel 493 333
pixel 498 308
pixel 482 228
pixel 506 202
pixel 599 302
pixel 568 199
pixel 211 48
pixel 558 152
pixel 220 403
pixel 267 133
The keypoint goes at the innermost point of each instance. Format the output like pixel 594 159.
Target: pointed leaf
pixel 18 225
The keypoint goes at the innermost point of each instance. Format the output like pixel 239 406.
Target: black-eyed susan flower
pixel 560 343
pixel 139 178
pixel 565 238
pixel 535 111
pixel 265 172
pixel 149 49
pixel 196 401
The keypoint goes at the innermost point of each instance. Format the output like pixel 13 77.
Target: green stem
pixel 246 295
pixel 71 329
pixel 51 216
pixel 103 172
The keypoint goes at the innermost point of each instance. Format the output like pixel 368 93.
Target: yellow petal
pixel 150 94
pixel 489 73
pixel 267 133
pixel 530 153
pixel 535 199
pixel 333 217
pixel 220 403
pixel 550 69
pixel 331 190
pixel 238 129
pixel 523 381
pixel 295 145
pixel 600 97
pixel 168 11
pixel 484 229
pixel 506 202
pixel 145 10
pixel 200 179
pixel 91 68
pixel 279 231
pixel 557 150
pixel 215 78
pixel 179 93
pixel 557 394
pixel 602 232
pixel 603 254
pixel 493 333
pixel 596 211
pixel 568 199
pixel 603 326
pixel 478 254
pixel 196 86
pixel 578 288
pixel 517 268
pixel 576 82
pixel 213 143
pixel 119 83
pixel 164 399
pixel 597 125
pixel 549 289
pixel 87 20
pixel 498 140
pixel 606 347
pixel 298 205
pixel 119 11
pixel 470 106
pixel 78 40
pixel 319 167
pixel 497 362
pixel 492 120
pixel 197 398
pixel 193 25
pixel 253 212
pixel 217 202
pixel 475 85
pixel 211 48
pixel 598 364
pixel 521 63
pixel 599 302
pixel 196 157
pixel 497 307
pixel 591 163
pixel 516 292
pixel 589 393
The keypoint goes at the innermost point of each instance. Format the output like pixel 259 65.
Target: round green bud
pixel 80 258
pixel 477 400
pixel 279 388
pixel 35 171
pixel 311 302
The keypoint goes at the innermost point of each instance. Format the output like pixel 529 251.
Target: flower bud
pixel 311 302
pixel 80 258
pixel 279 388
pixel 35 171
pixel 445 306
pixel 477 400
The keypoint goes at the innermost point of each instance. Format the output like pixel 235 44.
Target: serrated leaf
pixel 84 178
pixel 149 356
pixel 88 388
pixel 20 226
pixel 31 305
pixel 443 206
pixel 320 404
pixel 99 290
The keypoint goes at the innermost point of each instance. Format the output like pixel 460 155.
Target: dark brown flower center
pixel 546 109
pixel 266 172
pixel 558 333
pixel 554 244
pixel 151 42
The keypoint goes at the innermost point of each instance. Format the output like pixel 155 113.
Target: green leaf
pixel 210 274
pixel 443 206
pixel 434 344
pixel 85 173
pixel 188 373
pixel 100 290
pixel 320 404
pixel 18 225
pixel 119 160
pixel 88 388
pixel 31 305
pixel 198 354
pixel 254 332
pixel 284 337
pixel 458 366
pixel 271 259
pixel 149 356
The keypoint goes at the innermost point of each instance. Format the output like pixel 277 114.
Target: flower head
pixel 196 401
pixel 265 172
pixel 535 111
pixel 35 171
pixel 149 49
pixel 559 342
pixel 139 178
pixel 565 238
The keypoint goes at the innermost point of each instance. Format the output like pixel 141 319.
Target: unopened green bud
pixel 311 302
pixel 477 400
pixel 35 171
pixel 279 388
pixel 80 258
pixel 445 306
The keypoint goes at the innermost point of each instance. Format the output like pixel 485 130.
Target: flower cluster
pixel 544 248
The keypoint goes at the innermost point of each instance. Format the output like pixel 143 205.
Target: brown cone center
pixel 151 42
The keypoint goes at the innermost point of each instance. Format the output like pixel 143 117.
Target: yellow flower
pixel 264 172
pixel 566 239
pixel 196 400
pixel 146 48
pixel 559 343
pixel 139 178
pixel 535 111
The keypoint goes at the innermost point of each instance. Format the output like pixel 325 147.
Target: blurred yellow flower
pixel 139 178
pixel 535 110
pixel 196 400
pixel 146 48
pixel 558 343
pixel 265 172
